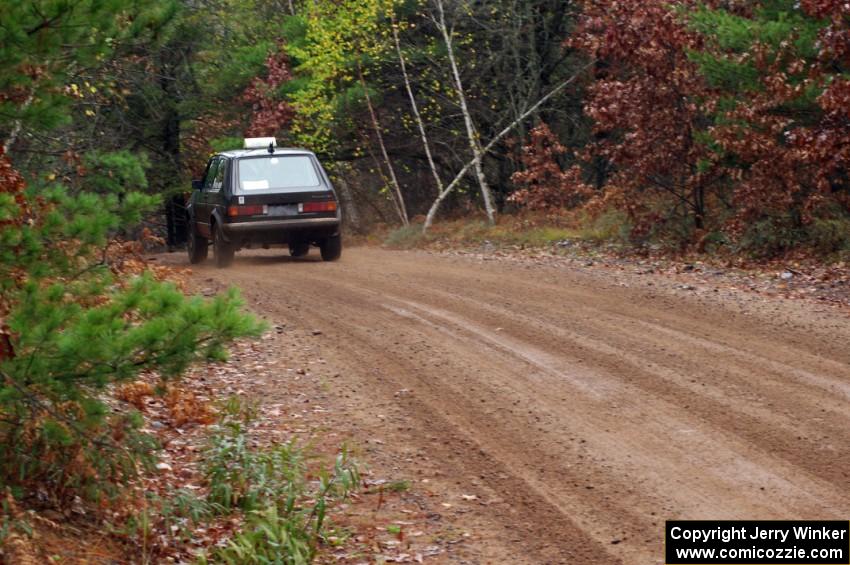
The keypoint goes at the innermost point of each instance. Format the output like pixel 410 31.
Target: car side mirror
pixel 197 184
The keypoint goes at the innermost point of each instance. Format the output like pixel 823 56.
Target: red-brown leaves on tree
pixel 12 182
pixel 196 148
pixel 675 153
pixel 828 144
pixel 270 113
pixel 834 39
pixel 543 183
pixel 645 110
pixel 792 159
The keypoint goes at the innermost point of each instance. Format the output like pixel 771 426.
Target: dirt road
pixel 581 409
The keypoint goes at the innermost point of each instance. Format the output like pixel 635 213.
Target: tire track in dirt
pixel 827 416
pixel 671 375
pixel 757 474
pixel 595 413
pixel 450 410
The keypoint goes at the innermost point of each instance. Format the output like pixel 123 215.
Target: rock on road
pixel 592 411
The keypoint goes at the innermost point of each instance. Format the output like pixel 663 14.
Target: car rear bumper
pixel 243 228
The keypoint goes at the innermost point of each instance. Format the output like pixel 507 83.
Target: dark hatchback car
pixel 263 196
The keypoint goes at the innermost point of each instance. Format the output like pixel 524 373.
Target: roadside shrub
pixel 831 235
pixel 771 236
pixel 241 477
pixel 543 183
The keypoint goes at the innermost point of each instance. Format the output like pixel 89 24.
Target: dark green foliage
pixel 115 172
pixel 91 96
pixel 42 42
pixel 775 25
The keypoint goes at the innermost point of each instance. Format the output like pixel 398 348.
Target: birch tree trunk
pixel 416 115
pixel 474 145
pixel 429 219
pixel 402 209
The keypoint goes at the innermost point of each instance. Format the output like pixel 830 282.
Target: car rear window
pixel 277 173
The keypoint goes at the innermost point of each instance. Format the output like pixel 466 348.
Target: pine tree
pixel 80 310
pixel 83 313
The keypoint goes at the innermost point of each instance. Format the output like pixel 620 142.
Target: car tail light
pixel 324 206
pixel 253 210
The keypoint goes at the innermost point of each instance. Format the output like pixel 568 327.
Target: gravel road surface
pixel 580 408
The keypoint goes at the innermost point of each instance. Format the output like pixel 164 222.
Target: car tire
pixel 331 248
pixel 299 249
pixel 222 250
pixel 197 246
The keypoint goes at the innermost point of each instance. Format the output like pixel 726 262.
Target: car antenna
pixel 271 148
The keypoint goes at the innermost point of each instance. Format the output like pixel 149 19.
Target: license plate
pixel 284 210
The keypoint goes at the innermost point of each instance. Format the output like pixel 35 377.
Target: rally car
pixel 263 196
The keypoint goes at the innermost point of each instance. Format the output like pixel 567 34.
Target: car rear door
pixel 216 195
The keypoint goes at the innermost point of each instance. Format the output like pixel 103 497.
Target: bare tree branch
pixel 429 219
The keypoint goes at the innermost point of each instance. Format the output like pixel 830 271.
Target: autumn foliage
pixel 258 111
pixel 645 110
pixel 786 138
pixel 11 188
pixel 269 113
pixel 544 183
pixel 724 121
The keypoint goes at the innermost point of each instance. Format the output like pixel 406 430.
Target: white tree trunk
pixel 432 212
pixel 401 208
pixel 474 145
pixel 417 116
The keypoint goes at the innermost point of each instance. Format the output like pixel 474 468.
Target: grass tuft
pixel 285 513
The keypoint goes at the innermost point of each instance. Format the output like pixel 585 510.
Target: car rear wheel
pixel 223 251
pixel 299 249
pixel 197 246
pixel 331 248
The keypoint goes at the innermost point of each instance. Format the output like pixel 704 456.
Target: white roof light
pixel 259 142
